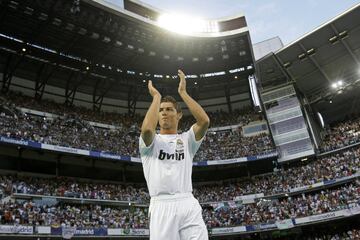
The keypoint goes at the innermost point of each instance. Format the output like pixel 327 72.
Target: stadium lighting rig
pixel 337 84
pixel 185 24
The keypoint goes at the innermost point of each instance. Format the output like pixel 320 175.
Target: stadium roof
pixel 324 64
pixel 103 50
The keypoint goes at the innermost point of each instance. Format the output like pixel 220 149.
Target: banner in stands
pixel 251 228
pixel 249 197
pixel 65 149
pixel 80 231
pixel 327 182
pixel 302 188
pixel 110 156
pixel 298 189
pixel 130 232
pixel 134 159
pixel 203 163
pixel 262 156
pixel 357 174
pixel 43 229
pixel 226 161
pixel 136 232
pixel 68 232
pixel 20 142
pixel 355 210
pixel 9 229
pixel 284 224
pixel 321 217
pixel 221 231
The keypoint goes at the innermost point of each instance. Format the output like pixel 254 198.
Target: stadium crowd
pixel 231 144
pixel 341 135
pixel 28 213
pixel 72 131
pixel 268 211
pixel 218 118
pixel 78 133
pixel 67 187
pixel 334 166
pixel 353 234
pixel 263 211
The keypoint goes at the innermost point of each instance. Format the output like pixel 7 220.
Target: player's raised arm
pixel 151 119
pixel 202 119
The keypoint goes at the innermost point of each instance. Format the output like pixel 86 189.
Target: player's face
pixel 168 116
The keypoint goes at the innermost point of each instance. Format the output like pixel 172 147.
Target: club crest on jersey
pixel 179 143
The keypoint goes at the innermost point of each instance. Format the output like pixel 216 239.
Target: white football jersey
pixel 167 162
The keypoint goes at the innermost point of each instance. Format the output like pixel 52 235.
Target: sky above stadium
pixel 287 19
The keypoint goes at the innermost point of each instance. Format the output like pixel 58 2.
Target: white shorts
pixel 176 217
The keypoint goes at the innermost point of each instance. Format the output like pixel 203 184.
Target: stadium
pixel 280 160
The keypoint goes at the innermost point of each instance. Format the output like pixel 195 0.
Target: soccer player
pixel 167 160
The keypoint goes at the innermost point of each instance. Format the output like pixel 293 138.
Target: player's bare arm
pixel 151 119
pixel 202 119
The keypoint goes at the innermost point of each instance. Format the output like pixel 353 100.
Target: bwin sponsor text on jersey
pixel 174 156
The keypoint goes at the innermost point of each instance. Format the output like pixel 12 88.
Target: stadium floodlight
pixel 333 39
pixel 185 24
pixel 287 64
pixel 302 56
pixel 106 39
pixel 242 53
pixel 343 34
pixel 209 59
pixel 311 51
pixel 337 84
pixel 118 43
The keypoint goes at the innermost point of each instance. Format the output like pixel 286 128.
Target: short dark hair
pixel 173 101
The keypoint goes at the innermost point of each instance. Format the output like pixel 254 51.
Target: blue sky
pixel 288 19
